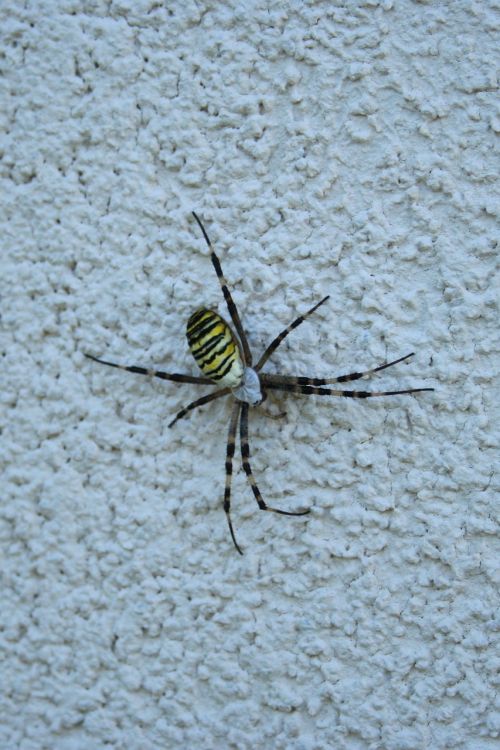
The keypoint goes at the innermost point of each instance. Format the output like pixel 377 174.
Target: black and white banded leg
pixel 297 380
pixel 235 317
pixel 175 376
pixel 245 456
pixel 231 441
pixel 311 390
pixel 284 333
pixel 199 402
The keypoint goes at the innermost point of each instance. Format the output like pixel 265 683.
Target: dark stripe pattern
pixel 214 348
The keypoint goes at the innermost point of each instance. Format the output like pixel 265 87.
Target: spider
pixel 225 359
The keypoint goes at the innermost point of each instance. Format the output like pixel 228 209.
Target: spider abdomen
pixel 215 348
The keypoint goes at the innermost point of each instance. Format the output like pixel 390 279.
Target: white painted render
pixel 343 148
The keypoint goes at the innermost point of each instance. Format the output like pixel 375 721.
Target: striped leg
pixel 315 391
pixel 245 455
pixel 233 312
pixel 291 379
pixel 154 373
pixel 277 341
pixel 231 440
pixel 357 375
pixel 199 402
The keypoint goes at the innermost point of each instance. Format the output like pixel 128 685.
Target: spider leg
pixel 179 378
pixel 279 338
pixel 231 440
pixel 233 312
pixel 357 375
pixel 245 455
pixel 267 378
pixel 292 387
pixel 199 402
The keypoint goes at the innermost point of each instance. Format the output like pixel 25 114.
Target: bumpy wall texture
pixel 343 148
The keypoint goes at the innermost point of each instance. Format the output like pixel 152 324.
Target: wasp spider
pixel 225 359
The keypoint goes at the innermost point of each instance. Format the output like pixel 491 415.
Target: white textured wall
pixel 331 147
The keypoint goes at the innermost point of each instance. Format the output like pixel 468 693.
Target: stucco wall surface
pixel 342 148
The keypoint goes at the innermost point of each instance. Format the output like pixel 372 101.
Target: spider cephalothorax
pixel 225 359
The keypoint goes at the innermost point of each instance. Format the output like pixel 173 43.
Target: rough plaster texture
pixel 331 147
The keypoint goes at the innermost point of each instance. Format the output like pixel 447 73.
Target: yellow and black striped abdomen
pixel 214 347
